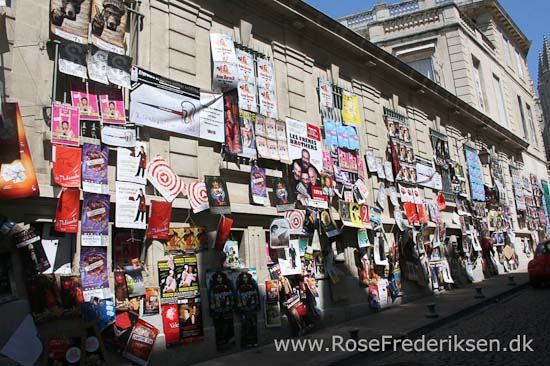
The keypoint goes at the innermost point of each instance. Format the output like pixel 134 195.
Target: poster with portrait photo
pixel 404 132
pixel 132 163
pixel 258 185
pixel 305 151
pixel 95 219
pixel 190 320
pixel 248 140
pixel 218 196
pixel 131 207
pixel 84 97
pixel 109 18
pixel 118 70
pixel 392 125
pixel 112 106
pixel 65 125
pixel 279 234
pixel 70 19
pixel 72 59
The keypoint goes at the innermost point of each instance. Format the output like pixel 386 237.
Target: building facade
pixel 453 83
pixel 544 93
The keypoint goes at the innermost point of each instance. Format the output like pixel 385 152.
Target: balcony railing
pixel 403 8
pixel 356 21
pixel 443 2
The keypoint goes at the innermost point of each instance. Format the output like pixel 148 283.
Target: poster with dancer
pixel 65 125
pixel 95 219
pixel 131 206
pixel 95 172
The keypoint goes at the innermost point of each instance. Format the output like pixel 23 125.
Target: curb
pixel 415 333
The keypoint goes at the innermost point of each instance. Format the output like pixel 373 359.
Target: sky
pixel 530 15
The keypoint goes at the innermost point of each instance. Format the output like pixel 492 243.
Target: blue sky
pixel 530 15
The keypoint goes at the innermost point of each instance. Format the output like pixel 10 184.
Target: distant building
pixel 544 93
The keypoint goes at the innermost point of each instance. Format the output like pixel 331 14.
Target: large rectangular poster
pixel 131 206
pixel 211 117
pixel 17 175
pixel 306 153
pixel 164 104
pixel 65 124
pixel 95 174
pixel 70 19
pixel 225 73
pixel 178 279
pixel 95 219
pixel 475 175
pixel 109 18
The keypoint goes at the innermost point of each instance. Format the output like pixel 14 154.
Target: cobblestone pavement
pixel 525 313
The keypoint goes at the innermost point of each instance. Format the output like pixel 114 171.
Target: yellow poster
pixel 350 108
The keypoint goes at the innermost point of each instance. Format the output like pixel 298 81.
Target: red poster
pixel 17 176
pixel 67 165
pixel 421 214
pixel 224 229
pixel 171 324
pixel 141 342
pixel 68 211
pixel 159 220
pixel 410 210
pixel 365 213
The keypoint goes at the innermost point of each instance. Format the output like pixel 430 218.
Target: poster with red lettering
pixel 141 342
pixel 67 165
pixel 159 220
pixel 171 324
pixel 68 211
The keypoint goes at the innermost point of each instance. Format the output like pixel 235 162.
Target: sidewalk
pixel 406 320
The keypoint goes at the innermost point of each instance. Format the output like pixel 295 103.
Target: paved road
pixel 525 313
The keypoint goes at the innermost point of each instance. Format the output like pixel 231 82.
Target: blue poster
pixel 475 174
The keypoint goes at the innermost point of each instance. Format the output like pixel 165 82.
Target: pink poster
pixel 83 96
pixel 112 106
pixel 65 124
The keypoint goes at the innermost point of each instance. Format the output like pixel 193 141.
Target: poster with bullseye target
pixel 296 219
pixel 198 198
pixel 164 179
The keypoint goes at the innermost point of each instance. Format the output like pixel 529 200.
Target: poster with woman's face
pixel 84 97
pixel 112 106
pixel 65 125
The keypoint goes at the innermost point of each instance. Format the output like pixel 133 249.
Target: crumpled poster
pixel 72 60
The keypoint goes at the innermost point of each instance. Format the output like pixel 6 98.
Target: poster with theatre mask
pixel 108 20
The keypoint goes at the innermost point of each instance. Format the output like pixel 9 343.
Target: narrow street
pixel 524 313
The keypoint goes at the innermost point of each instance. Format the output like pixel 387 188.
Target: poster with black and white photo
pixel 72 60
pixel 163 103
pixel 97 65
pixel 69 19
pixel 131 206
pixel 118 70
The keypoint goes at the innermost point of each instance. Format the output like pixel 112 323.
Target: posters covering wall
pixel 186 240
pixel 211 117
pixel 165 104
pixel 95 174
pixel 258 185
pixel 225 75
pixel 65 124
pixel 159 220
pixel 131 206
pixel 67 166
pixel 70 19
pixel 17 175
pixel 95 219
pixel 475 174
pixel 109 18
pixel 68 211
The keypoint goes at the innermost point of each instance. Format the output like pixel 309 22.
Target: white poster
pixel 305 151
pixel 164 104
pixel 117 136
pixel 246 66
pixel 265 74
pixel 268 103
pixel 426 174
pixel 325 94
pixel 292 265
pixel 132 164
pixel 97 65
pixel 131 206
pixel 211 117
pixel 226 70
pixel 223 48
pixel 247 96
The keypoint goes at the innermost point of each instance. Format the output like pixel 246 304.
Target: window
pixel 507 54
pixel 520 65
pixel 500 101
pixel 478 83
pixel 419 58
pixel 522 115
pixel 531 123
